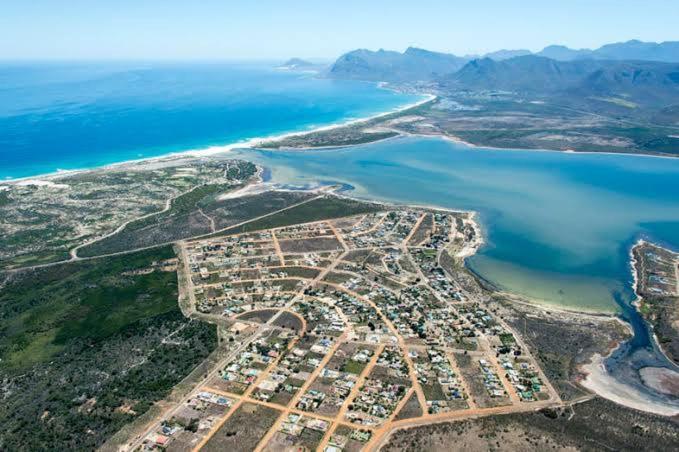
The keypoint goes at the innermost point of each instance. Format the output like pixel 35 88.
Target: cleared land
pixel 244 429
pixel 41 221
pixel 593 425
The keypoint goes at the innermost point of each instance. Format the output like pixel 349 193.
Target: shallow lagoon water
pixel 558 225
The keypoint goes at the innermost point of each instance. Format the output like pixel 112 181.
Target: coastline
pixel 217 149
pixel 472 146
pixel 636 303
pixel 600 382
pixel 252 143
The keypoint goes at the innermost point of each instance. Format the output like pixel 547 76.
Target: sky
pixel 268 29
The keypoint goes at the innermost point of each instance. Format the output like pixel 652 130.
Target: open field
pixel 42 220
pixel 592 425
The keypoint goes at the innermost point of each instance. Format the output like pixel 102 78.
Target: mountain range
pixel 388 65
pixel 425 65
pixel 631 50
pixel 644 83
pixel 633 79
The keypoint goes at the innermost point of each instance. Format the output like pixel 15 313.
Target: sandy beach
pixel 600 382
pixel 221 149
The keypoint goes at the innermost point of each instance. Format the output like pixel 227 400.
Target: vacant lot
pixel 196 213
pixel 310 245
pixel 244 429
pixel 323 208
pixel 594 425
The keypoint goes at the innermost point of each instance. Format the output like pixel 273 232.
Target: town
pixel 339 331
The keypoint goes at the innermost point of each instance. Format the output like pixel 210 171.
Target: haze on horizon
pixel 267 29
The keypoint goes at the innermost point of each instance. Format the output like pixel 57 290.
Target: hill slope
pixel 412 65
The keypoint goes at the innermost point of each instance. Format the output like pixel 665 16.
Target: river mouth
pixel 559 226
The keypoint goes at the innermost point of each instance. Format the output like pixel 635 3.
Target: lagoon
pixel 558 226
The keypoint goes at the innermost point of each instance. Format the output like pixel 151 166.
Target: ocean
pixel 63 116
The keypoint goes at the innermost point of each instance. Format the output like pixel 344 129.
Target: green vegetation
pixel 42 310
pixel 87 347
pixel 655 267
pixel 193 214
pixel 40 224
pixel 353 367
pixel 322 208
pixel 507 339
pixel 4 198
pixel 350 135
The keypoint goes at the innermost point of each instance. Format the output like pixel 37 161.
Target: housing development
pixel 338 332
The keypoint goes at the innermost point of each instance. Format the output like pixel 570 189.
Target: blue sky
pixel 265 29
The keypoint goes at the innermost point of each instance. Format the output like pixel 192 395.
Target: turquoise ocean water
pixel 80 115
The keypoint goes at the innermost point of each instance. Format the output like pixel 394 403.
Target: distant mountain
pixel 507 54
pixel 639 82
pixel 631 50
pixel 563 53
pixel 626 83
pixel 627 75
pixel 298 64
pixel 423 65
pixel 528 73
pixel 412 65
pixel 638 50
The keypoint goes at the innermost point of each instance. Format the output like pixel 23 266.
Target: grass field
pixel 191 215
pixel 323 208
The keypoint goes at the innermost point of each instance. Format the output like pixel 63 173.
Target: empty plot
pixel 310 244
pixel 244 429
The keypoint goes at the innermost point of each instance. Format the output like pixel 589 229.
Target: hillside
pixel 525 74
pixel 298 64
pixel 667 52
pixel 417 64
pixel 644 82
pixel 412 65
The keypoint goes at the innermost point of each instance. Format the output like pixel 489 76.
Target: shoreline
pixel 636 303
pixel 472 146
pixel 214 150
pixel 253 143
pixel 600 382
